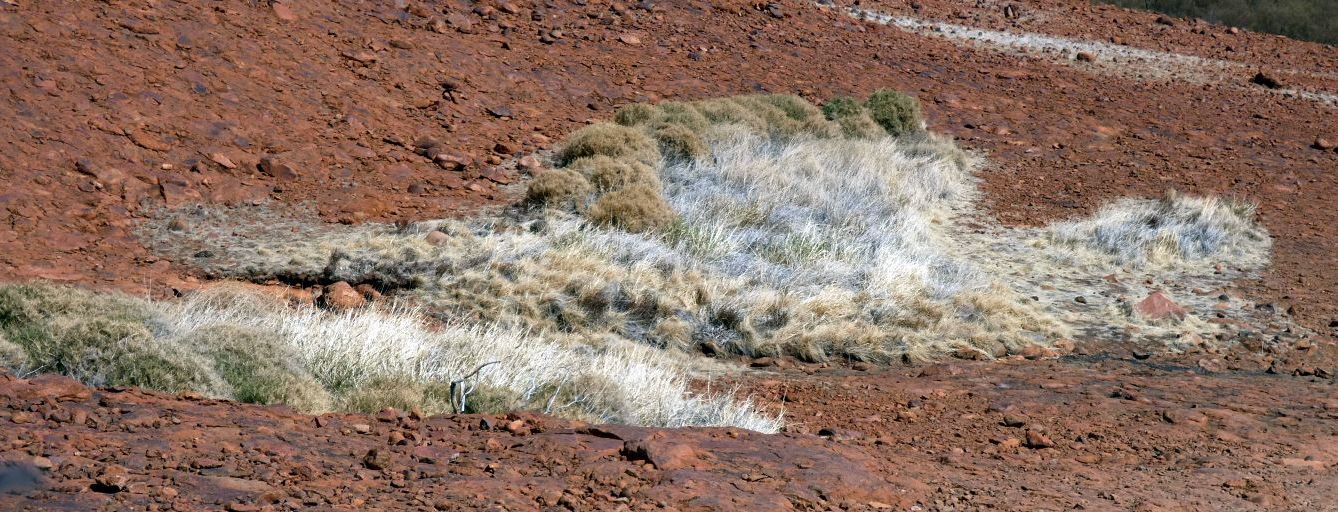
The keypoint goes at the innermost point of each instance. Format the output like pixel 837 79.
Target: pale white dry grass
pixel 345 352
pixel 1176 231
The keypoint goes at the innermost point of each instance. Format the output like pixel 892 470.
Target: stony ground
pixel 114 109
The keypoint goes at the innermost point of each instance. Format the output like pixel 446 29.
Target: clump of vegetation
pixel 258 366
pixel 560 187
pixel 637 209
pixel 235 344
pixel 611 140
pixel 1175 230
pixel 11 355
pixel 102 341
pixel 607 174
pixel 853 118
pixel 897 112
pixel 634 114
pixel 678 142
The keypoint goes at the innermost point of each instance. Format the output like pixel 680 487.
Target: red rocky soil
pixel 114 109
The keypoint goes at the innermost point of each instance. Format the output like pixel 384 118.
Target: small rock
pixel 1080 299
pixel 362 428
pixel 111 480
pixel 452 161
pixel 1322 143
pixel 861 366
pixel 361 56
pixel 1009 443
pixel 1157 306
pixel 1014 420
pixel 436 237
pixel 518 427
pixel 1033 352
pixel 529 163
pixel 401 44
pixel 272 166
pixel 665 456
pixel 630 39
pixel 341 295
pixel 1085 57
pixel 501 111
pixel 222 160
pixel 376 460
pixel 1038 440
pixel 1211 365
pixel 43 463
pixel 763 362
pixel 1265 80
pixel 283 12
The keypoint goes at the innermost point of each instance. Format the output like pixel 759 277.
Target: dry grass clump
pixel 11 355
pixel 607 174
pixel 561 187
pixel 1175 230
pixel 611 140
pixel 678 142
pixel 637 209
pixel 897 112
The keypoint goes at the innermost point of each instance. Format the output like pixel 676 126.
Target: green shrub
pixel 259 368
pixel 678 142
pixel 559 188
pixel 611 140
pixel 842 106
pixel 637 209
pixel 607 174
pixel 896 112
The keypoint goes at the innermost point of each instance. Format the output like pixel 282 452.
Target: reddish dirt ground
pixel 114 109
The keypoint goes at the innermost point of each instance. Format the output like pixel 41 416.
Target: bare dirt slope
pixel 113 109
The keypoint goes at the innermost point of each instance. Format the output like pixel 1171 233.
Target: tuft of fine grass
pixel 637 209
pixel 560 187
pixel 607 174
pixel 897 112
pixel 678 142
pixel 12 356
pixel 611 140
